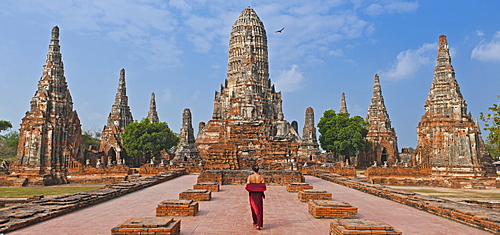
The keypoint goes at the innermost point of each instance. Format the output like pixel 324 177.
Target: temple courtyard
pixel 228 212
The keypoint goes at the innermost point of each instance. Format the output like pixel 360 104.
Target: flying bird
pixel 279 31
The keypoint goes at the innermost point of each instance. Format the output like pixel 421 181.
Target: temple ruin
pixel 343 104
pixel 380 132
pixel 152 114
pixel 449 139
pixel 186 148
pixel 120 116
pixel 248 125
pixel 309 146
pixel 50 133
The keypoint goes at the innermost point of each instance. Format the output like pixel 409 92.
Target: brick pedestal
pixel 332 209
pixel 306 195
pixel 296 187
pixel 210 186
pixel 360 226
pixel 174 207
pixel 196 195
pixel 148 225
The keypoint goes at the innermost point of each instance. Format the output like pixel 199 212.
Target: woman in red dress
pixel 256 187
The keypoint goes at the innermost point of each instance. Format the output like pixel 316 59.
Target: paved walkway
pixel 228 212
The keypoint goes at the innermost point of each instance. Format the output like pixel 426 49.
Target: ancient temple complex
pixel 380 132
pixel 247 125
pixel 50 133
pixel 449 140
pixel 119 117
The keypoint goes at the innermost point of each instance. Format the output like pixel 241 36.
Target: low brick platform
pixel 210 186
pixel 148 225
pixel 296 187
pixel 332 209
pixel 306 195
pixel 196 195
pixel 472 215
pixel 360 226
pixel 172 207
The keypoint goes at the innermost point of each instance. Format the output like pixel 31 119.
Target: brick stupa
pixel 449 140
pixel 50 133
pixel 380 132
pixel 119 117
pixel 247 125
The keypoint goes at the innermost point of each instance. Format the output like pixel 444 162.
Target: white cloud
pixel 391 7
pixel 289 80
pixel 488 51
pixel 408 62
pixel 479 33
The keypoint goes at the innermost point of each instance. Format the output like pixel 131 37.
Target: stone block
pixel 360 226
pixel 306 195
pixel 196 195
pixel 210 186
pixel 172 207
pixel 332 209
pixel 148 225
pixel 296 187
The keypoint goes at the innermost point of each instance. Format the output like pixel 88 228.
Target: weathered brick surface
pixel 449 139
pixel 26 214
pixel 196 195
pixel 296 187
pixel 210 186
pixel 360 226
pixel 238 177
pixel 149 226
pixel 50 132
pixel 472 215
pixel 173 207
pixel 306 195
pixel 347 171
pixel 332 209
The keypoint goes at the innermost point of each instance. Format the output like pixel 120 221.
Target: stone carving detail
pixel 343 104
pixel 119 117
pixel 380 132
pixel 152 114
pixel 50 133
pixel 309 146
pixel 449 140
pixel 186 148
pixel 247 125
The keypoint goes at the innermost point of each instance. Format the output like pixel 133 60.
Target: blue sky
pixel 178 49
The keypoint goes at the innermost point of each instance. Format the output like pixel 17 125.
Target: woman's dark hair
pixel 255 168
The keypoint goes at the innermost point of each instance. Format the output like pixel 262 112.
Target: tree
pixel 144 140
pixel 493 138
pixel 8 145
pixel 343 135
pixel 91 137
pixel 4 125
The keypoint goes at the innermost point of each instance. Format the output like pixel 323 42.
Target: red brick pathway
pixel 228 212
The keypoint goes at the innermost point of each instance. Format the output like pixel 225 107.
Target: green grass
pixel 25 192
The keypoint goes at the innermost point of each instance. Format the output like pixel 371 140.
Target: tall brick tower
pixel 186 148
pixel 309 146
pixel 50 133
pixel 380 132
pixel 343 104
pixel 119 117
pixel 449 140
pixel 152 114
pixel 247 125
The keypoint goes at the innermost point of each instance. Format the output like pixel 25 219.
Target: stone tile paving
pixel 228 212
pixel 403 218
